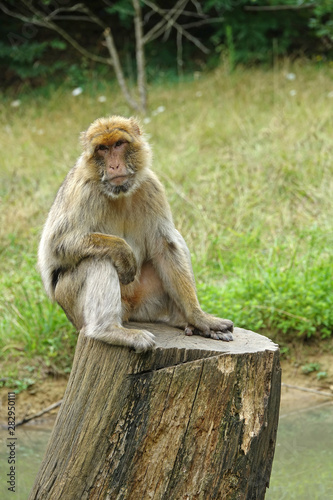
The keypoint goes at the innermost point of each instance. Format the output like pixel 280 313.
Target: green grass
pixel 248 171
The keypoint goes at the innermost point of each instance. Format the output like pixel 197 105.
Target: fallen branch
pixel 302 410
pixel 39 414
pixel 305 389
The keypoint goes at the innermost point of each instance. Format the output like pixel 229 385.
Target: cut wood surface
pixel 195 418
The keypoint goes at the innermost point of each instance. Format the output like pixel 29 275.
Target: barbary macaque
pixel 109 251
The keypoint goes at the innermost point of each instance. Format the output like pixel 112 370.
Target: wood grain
pixel 194 419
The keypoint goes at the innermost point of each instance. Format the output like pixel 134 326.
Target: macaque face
pixel 117 171
pixel 114 159
pixel 117 153
pixel 111 155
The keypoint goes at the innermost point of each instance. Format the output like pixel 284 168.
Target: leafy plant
pixel 18 385
pixel 27 60
pixel 321 20
pixel 310 368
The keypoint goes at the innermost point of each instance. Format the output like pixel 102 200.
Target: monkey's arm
pixel 173 264
pixel 73 248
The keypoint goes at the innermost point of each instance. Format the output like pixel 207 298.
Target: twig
pixel 166 15
pixel 196 24
pixel 73 18
pixel 305 389
pixel 39 414
pixel 172 24
pixel 198 7
pixel 75 8
pixel 278 7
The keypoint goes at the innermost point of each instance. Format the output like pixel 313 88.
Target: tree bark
pixel 140 55
pixel 194 419
pixel 118 69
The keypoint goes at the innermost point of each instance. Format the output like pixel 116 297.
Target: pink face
pixel 114 160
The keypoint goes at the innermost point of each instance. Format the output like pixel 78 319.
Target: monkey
pixel 109 251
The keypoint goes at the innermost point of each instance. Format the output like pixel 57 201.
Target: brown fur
pixel 109 251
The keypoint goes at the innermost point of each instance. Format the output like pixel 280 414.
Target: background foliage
pixel 32 54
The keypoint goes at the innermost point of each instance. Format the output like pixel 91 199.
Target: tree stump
pixel 194 419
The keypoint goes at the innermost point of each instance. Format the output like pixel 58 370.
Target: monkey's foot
pixel 139 340
pixel 213 334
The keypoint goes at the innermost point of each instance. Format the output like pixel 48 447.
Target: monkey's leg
pixel 175 268
pixel 153 304
pixel 90 296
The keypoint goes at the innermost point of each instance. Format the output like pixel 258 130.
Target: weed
pixel 18 385
pixel 310 368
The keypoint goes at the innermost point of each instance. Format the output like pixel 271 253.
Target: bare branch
pixel 40 20
pixel 21 17
pixel 118 69
pixel 77 46
pixel 75 8
pixel 173 18
pixel 159 28
pixel 140 55
pixel 178 27
pixel 109 41
pixel 188 13
pixel 198 7
pixel 278 7
pixel 92 16
pixel 195 24
pixel 73 18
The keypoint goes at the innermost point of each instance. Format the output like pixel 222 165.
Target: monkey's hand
pixel 124 261
pixel 121 254
pixel 208 326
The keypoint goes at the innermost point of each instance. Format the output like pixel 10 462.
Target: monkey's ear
pixel 135 124
pixel 84 139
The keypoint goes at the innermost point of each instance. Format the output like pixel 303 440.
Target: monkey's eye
pixel 118 144
pixel 101 147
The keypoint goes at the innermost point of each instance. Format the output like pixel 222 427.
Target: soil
pixel 38 397
pixel 50 390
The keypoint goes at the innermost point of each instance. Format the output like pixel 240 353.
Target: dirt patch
pixel 36 398
pixel 294 373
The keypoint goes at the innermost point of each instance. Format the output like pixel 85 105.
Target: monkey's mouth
pixel 119 180
pixel 120 184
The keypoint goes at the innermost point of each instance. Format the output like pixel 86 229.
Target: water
pixel 302 469
pixel 303 462
pixel 30 447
